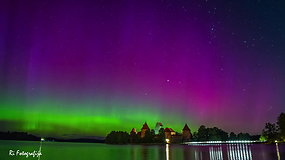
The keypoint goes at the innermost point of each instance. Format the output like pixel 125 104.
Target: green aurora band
pixel 90 118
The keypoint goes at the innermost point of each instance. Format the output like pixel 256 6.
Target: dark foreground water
pixel 92 151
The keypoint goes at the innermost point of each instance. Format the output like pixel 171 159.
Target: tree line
pixel 203 134
pixel 217 134
pixel 274 131
pixel 121 137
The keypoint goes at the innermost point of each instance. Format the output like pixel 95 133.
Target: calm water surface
pixel 90 151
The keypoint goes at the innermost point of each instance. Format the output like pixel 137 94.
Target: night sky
pixel 89 67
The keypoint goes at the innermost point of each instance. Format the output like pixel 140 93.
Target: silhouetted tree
pixel 210 134
pixel 255 137
pixel 270 132
pixel 195 136
pixel 281 126
pixel 217 134
pixel 117 137
pixel 213 134
pixel 233 136
pixel 134 138
pixel 202 134
pixel 223 135
pixel 243 136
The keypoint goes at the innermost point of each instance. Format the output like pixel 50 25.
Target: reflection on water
pixel 277 151
pixel 87 151
pixel 216 153
pixel 40 149
pixel 239 151
pixel 223 152
pixel 167 151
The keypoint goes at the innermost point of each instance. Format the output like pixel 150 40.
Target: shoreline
pixel 143 144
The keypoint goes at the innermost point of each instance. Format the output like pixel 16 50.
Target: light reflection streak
pixel 277 151
pixel 216 153
pixel 40 149
pixel 167 151
pixel 234 151
pixel 239 152
pixel 228 153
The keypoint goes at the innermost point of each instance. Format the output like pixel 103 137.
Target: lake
pixel 89 151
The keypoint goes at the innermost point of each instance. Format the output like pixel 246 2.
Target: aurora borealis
pixel 90 67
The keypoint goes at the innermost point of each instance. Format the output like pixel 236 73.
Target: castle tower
pixel 144 129
pixel 186 133
pixel 167 132
pixel 133 131
pixel 133 136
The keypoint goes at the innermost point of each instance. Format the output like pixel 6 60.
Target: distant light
pixel 276 141
pixel 167 140
pixel 42 139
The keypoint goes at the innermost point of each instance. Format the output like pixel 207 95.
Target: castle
pixel 170 135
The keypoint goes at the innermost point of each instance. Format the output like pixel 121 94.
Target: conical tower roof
pixel 186 128
pixel 145 126
pixel 133 130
